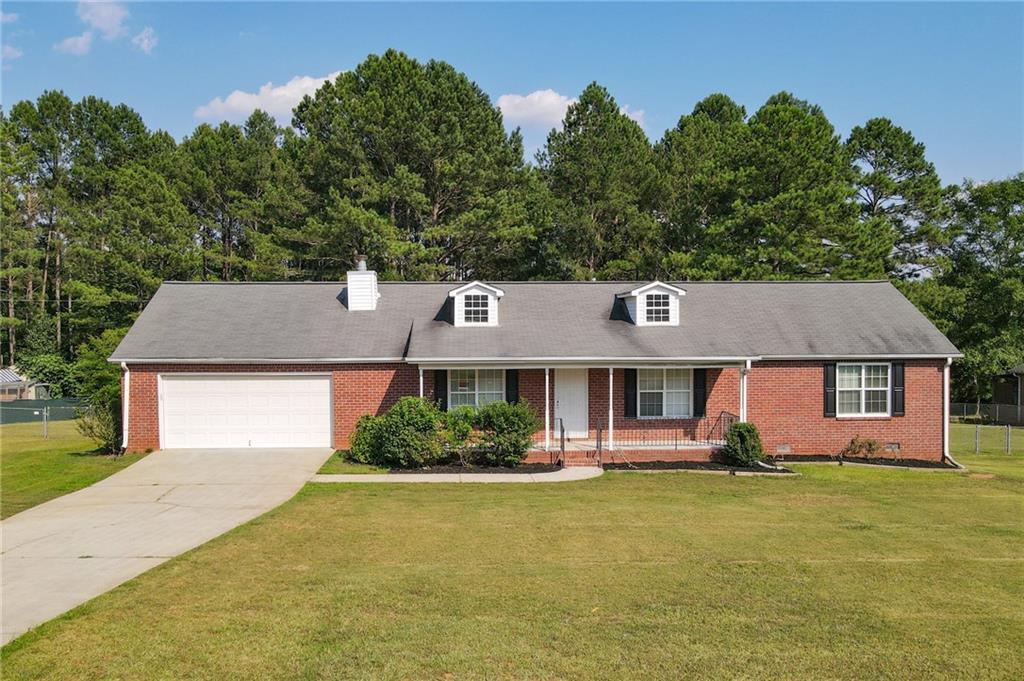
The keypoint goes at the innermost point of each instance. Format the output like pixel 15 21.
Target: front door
pixel 571 401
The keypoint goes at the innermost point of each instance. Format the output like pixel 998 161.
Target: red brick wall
pixel 785 400
pixel 358 389
pixel 723 394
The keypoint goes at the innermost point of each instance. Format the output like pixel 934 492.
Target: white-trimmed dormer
pixel 653 304
pixel 476 304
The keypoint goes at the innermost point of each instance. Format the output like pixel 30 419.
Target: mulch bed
pixel 689 466
pixel 902 463
pixel 522 468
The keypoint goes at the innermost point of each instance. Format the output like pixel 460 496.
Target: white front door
pixel 255 410
pixel 571 401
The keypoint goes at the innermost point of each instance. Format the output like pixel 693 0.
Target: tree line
pixel 410 163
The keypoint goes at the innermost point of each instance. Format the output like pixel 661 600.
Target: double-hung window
pixel 664 393
pixel 658 308
pixel 475 308
pixel 862 389
pixel 475 387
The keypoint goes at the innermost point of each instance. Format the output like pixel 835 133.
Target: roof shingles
pixel 568 320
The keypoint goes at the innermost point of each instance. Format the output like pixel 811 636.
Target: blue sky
pixel 951 73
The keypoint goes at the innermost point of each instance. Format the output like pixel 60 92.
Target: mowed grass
pixel 847 573
pixel 339 464
pixel 34 469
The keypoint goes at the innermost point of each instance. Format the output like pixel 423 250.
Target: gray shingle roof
pixel 570 320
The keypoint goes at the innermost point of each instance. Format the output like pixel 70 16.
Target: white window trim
pixel 667 309
pixel 863 391
pixel 664 382
pixel 476 384
pixel 488 298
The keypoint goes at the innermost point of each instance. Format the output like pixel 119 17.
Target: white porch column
pixel 743 391
pixel 421 382
pixel 611 410
pixel 547 408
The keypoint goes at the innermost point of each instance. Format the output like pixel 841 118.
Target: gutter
pixel 124 407
pixel 945 415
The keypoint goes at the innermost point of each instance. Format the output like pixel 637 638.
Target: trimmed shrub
pixel 407 436
pixel 457 433
pixel 506 432
pixel 743 445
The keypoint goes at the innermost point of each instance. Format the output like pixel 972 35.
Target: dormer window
pixel 653 304
pixel 475 304
pixel 658 308
pixel 476 307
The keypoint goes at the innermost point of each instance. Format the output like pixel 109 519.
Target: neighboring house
pixel 1009 387
pixel 14 386
pixel 651 370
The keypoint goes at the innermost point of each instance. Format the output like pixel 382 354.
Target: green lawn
pixel 338 464
pixel 845 572
pixel 34 470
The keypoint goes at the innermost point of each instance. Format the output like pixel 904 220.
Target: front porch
pixel 645 412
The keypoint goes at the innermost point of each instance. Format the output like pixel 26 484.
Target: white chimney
pixel 362 287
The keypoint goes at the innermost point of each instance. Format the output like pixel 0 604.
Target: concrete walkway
pixel 563 475
pixel 73 548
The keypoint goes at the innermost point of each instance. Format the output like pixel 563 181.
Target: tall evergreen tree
pixel 600 168
pixel 700 161
pixel 422 146
pixel 899 192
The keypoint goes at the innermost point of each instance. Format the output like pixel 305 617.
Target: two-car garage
pixel 263 410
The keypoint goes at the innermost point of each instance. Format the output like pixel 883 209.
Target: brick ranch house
pixel 642 370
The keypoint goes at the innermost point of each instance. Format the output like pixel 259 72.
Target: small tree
pixel 99 384
pixel 743 445
pixel 506 432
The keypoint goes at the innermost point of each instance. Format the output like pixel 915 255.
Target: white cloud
pixel 11 52
pixel 106 17
pixel 540 107
pixel 76 45
pixel 8 17
pixel 146 40
pixel 547 108
pixel 277 100
pixel 637 115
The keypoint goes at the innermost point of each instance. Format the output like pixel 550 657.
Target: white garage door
pixel 245 411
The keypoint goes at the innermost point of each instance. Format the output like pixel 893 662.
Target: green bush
pixel 407 436
pixel 506 432
pixel 457 433
pixel 101 424
pixel 743 445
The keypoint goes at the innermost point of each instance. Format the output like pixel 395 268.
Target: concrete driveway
pixel 68 550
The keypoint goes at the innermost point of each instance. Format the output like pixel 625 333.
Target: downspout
pixel 945 414
pixel 124 406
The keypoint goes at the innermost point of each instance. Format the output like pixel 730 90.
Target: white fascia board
pixel 904 355
pixel 653 284
pixel 216 360
pixel 497 292
pixel 541 362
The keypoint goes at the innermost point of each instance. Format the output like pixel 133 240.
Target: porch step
pixel 579 457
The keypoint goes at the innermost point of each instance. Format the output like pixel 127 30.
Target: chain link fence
pixel 39 418
pixel 1004 414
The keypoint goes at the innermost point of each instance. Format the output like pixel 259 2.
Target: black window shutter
pixel 511 385
pixel 441 389
pixel 830 389
pixel 629 392
pixel 898 401
pixel 700 392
